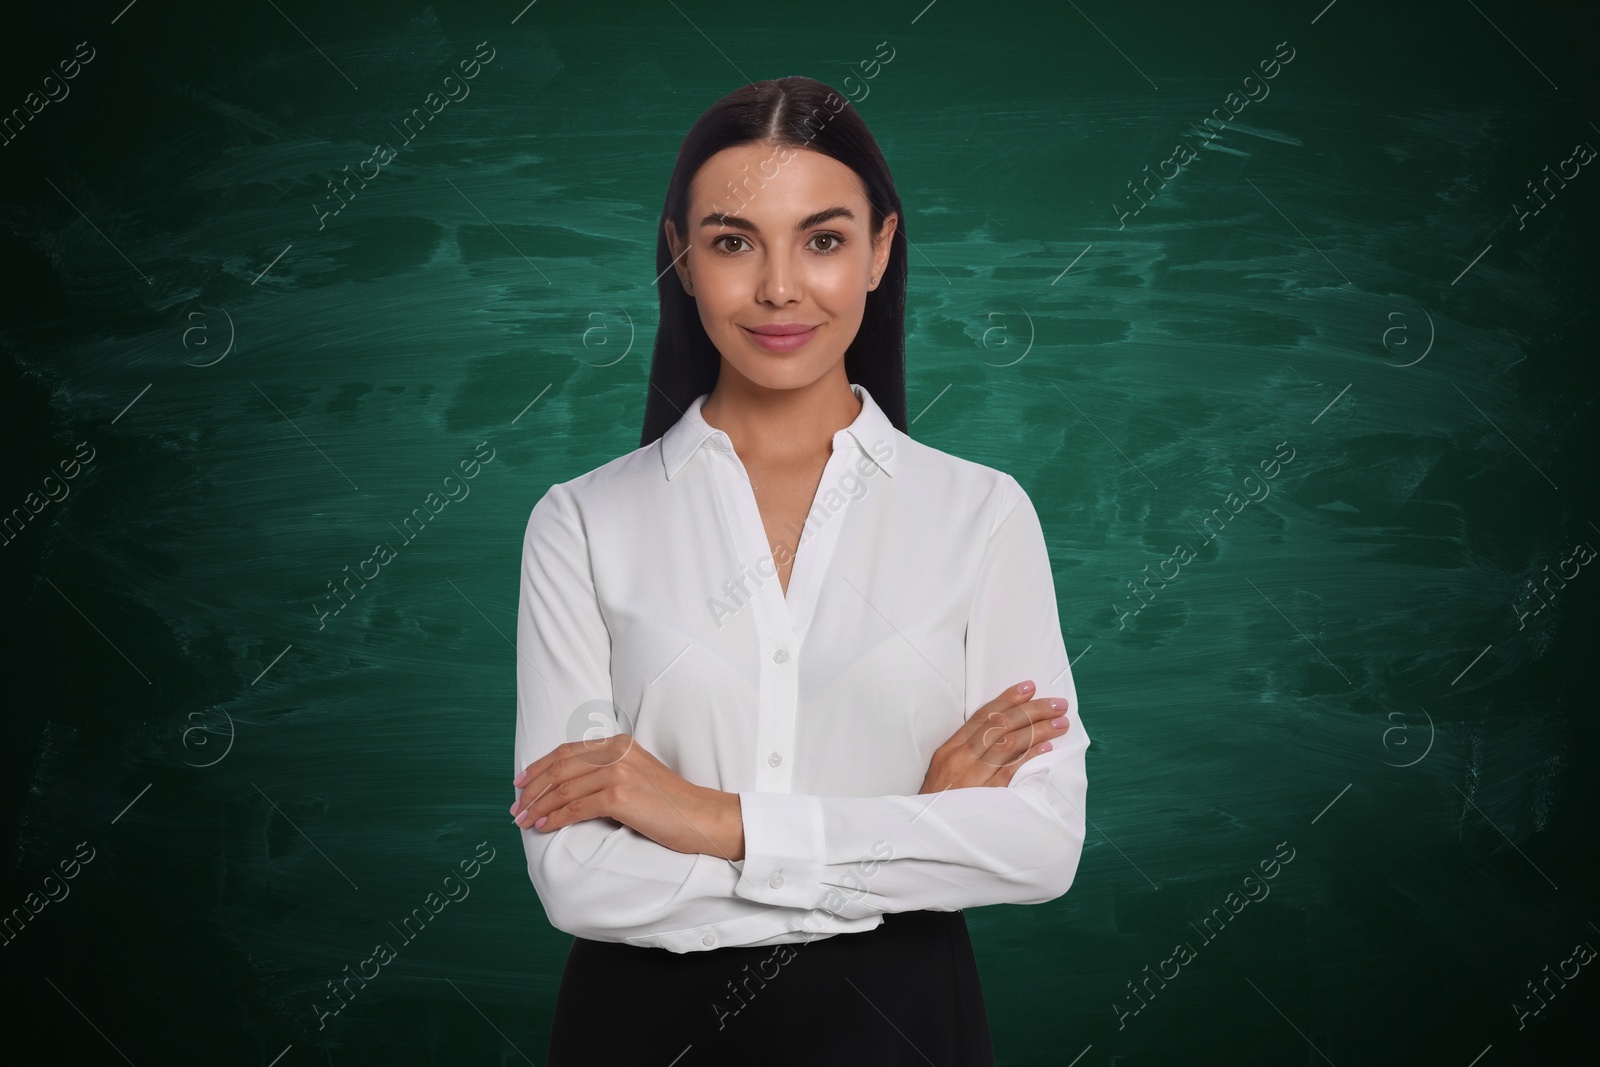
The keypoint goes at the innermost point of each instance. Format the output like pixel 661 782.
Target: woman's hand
pixel 996 740
pixel 616 777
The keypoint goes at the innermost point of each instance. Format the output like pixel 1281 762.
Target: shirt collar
pixel 691 432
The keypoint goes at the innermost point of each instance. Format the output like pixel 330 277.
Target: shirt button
pixel 776 881
pixel 774 759
pixel 708 940
pixel 780 656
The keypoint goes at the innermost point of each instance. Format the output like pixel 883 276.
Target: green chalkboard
pixel 1282 314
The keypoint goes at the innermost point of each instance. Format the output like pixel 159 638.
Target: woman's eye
pixel 834 241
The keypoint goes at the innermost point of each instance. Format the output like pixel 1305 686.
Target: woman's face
pixel 779 237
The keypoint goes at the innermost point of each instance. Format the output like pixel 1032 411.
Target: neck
pixel 780 425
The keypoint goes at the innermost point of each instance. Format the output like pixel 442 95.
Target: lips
pixel 782 336
pixel 781 329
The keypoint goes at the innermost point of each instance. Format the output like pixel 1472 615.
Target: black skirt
pixel 906 992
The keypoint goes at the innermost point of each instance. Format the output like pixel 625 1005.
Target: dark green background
pixel 1358 620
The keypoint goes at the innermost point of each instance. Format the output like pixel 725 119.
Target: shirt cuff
pixel 784 850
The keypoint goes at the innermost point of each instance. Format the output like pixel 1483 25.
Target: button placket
pixel 777 682
pixel 780 691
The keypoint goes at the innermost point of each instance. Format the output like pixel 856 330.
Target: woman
pixel 761 771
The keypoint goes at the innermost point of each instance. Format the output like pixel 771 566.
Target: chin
pixel 772 371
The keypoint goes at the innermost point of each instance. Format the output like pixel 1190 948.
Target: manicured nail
pixel 1025 687
pixel 1059 724
pixel 514 808
pixel 1058 704
pixel 1046 747
pixel 540 823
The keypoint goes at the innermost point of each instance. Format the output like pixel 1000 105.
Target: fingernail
pixel 514 809
pixel 1059 724
pixel 541 821
pixel 1058 704
pixel 1025 687
pixel 1046 747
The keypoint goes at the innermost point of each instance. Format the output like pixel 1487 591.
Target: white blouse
pixel 921 589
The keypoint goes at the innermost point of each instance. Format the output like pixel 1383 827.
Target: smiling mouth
pixel 780 329
pixel 781 342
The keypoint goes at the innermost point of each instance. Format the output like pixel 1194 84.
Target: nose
pixel 780 280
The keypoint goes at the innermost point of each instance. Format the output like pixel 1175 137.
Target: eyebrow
pixel 719 218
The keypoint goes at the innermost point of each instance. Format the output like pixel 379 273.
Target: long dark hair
pixel 792 112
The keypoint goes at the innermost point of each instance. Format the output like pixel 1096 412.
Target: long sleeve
pixel 858 856
pixel 598 878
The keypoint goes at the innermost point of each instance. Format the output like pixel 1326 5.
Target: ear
pixel 676 245
pixel 881 245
